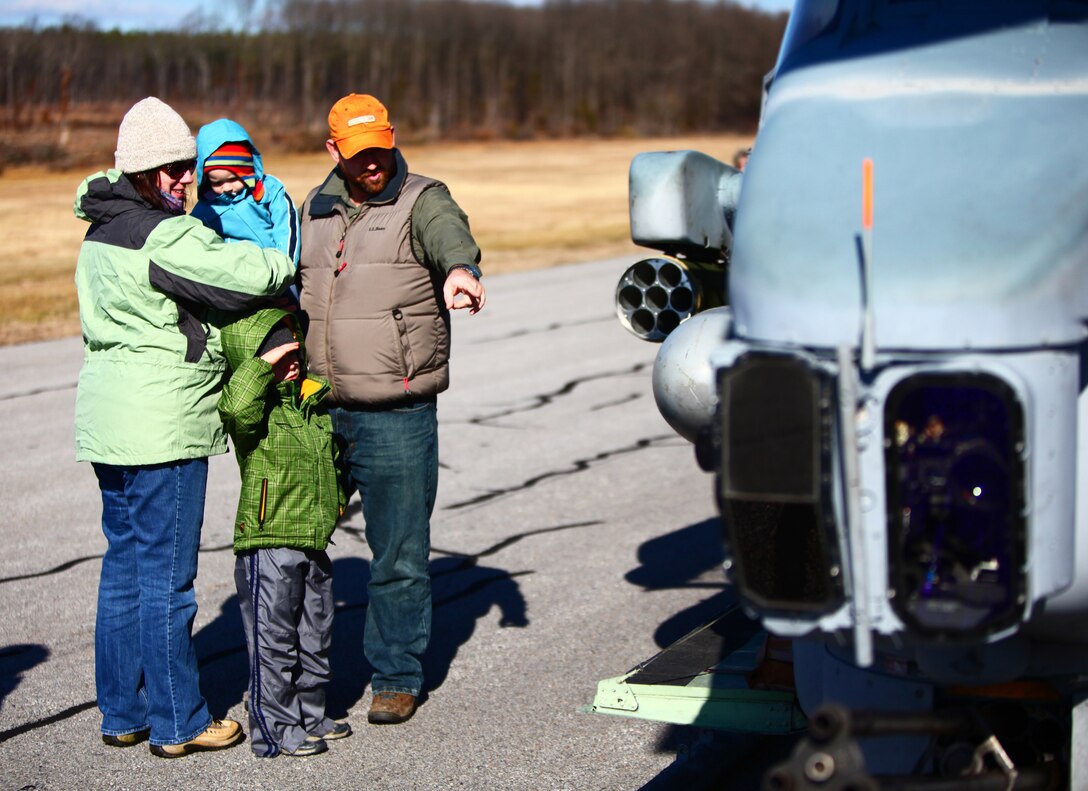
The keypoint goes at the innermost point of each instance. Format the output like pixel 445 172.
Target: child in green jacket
pixel 290 500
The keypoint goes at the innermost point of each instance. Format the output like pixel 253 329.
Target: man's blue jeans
pixel 393 460
pixel 145 662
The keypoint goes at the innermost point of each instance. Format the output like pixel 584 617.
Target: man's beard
pixel 371 188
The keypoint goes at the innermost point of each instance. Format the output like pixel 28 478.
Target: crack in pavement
pixel 39 391
pixel 77 561
pixel 577 466
pixel 552 327
pixel 618 402
pixel 545 399
pixel 52 719
pixel 358 533
pixel 540 401
pixel 510 540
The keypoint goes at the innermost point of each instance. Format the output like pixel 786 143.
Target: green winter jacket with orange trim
pixel 292 491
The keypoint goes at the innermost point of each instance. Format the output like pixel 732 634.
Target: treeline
pixel 444 67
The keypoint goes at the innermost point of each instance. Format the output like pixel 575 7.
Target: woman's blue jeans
pixel 145 662
pixel 393 461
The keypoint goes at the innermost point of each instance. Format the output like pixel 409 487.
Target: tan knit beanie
pixel 152 134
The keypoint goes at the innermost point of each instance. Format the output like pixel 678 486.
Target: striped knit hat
pixel 238 159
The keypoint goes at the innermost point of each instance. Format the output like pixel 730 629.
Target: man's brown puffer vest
pixel 378 327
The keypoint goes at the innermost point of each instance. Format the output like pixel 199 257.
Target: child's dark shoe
pixel 340 730
pixel 314 745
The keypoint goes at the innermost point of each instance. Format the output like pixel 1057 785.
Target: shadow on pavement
pixel 15 660
pixel 350 671
pixel 675 561
pixel 221 655
pixel 462 593
pixel 706 759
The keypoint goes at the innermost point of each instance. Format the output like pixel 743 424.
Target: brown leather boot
pixel 390 708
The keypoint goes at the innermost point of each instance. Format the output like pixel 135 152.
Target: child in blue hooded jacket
pixel 237 199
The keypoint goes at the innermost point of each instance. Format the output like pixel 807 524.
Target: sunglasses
pixel 176 170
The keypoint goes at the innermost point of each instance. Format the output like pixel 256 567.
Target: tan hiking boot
pixel 391 708
pixel 217 736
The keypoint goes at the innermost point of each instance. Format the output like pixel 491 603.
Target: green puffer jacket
pixel 152 363
pixel 292 493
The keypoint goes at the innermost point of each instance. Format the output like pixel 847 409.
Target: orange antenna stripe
pixel 867 194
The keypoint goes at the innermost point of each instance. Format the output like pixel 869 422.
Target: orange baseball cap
pixel 359 121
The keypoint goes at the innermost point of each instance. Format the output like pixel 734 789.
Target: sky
pixel 171 14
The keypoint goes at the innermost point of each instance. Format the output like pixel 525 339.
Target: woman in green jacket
pixel 146 278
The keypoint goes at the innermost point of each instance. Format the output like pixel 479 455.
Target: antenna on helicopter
pixel 868 340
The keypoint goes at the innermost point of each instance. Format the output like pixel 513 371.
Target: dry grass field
pixel 531 205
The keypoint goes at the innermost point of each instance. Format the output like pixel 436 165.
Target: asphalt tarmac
pixel 574 536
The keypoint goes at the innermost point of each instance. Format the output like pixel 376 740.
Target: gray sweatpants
pixel 287 606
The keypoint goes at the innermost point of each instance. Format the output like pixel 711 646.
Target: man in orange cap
pixel 386 255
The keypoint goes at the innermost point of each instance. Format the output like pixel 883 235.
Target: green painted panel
pixel 747 710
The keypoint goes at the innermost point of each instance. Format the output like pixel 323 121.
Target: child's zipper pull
pixel 264 503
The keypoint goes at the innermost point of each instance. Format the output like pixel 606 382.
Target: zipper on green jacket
pixel 264 503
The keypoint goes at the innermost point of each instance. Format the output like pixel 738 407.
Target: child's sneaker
pixel 340 730
pixel 314 745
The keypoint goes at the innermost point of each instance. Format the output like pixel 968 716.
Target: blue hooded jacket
pixel 270 222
